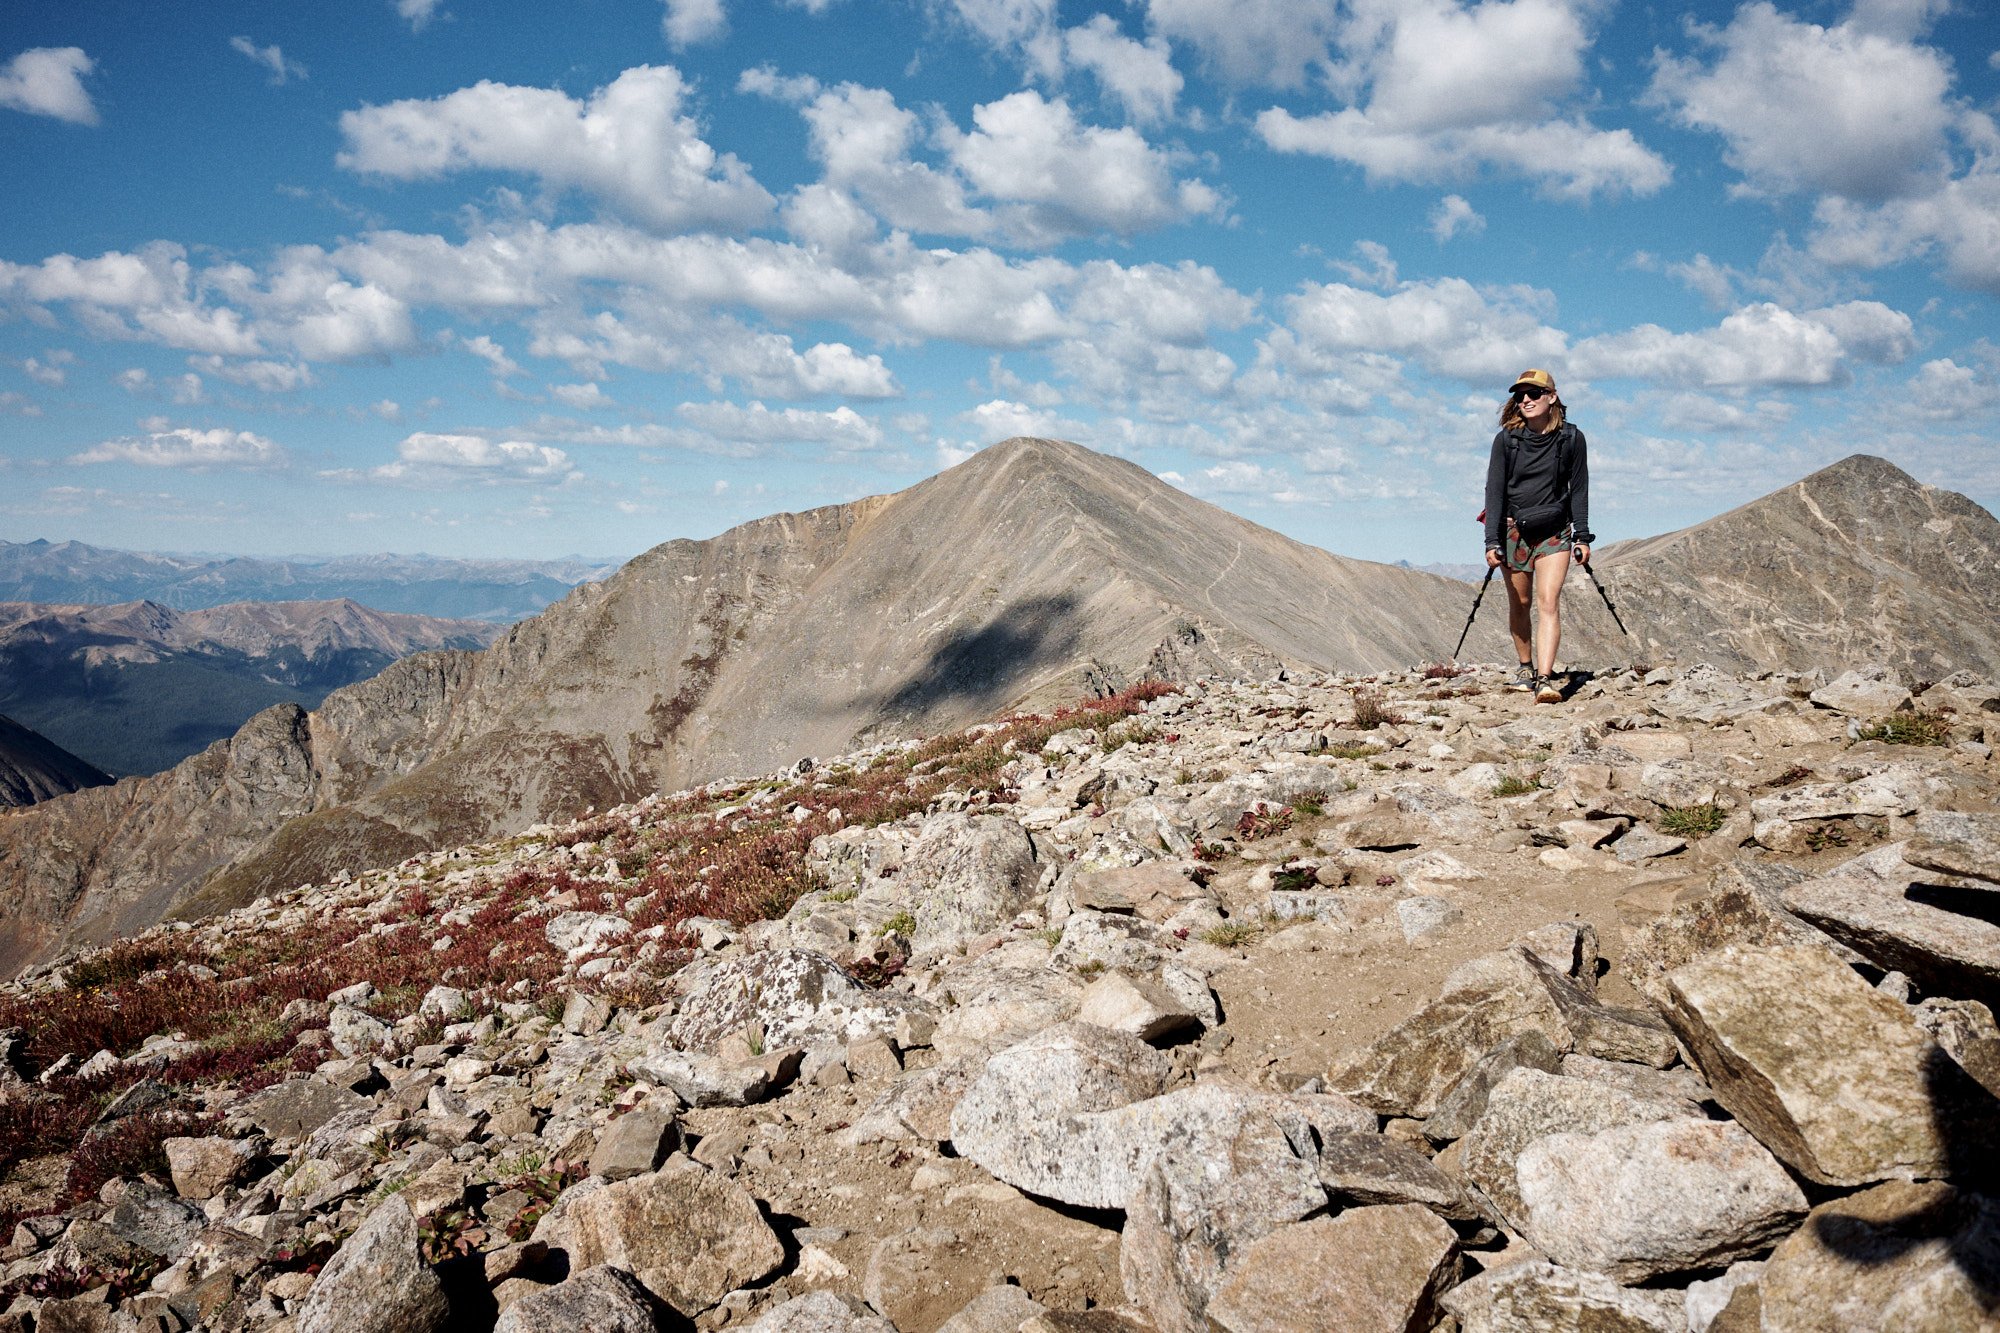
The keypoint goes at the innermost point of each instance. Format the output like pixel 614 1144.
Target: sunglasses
pixel 1532 391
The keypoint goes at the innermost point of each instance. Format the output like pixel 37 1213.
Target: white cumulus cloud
pixel 185 447
pixel 418 13
pixel 269 376
pixel 1428 102
pixel 631 144
pixel 1453 216
pixel 48 81
pixel 842 428
pixel 1076 179
pixel 1263 43
pixel 1140 75
pixel 693 22
pixel 271 58
pixel 426 456
pixel 1761 344
pixel 1843 110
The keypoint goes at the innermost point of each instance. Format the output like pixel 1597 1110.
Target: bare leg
pixel 1520 583
pixel 1549 573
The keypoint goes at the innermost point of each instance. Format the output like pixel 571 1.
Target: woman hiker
pixel 1537 517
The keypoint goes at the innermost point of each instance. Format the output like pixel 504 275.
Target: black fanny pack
pixel 1542 518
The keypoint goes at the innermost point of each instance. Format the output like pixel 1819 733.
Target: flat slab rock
pixel 1528 1105
pixel 1368 1270
pixel 1957 844
pixel 601 1300
pixel 1539 1297
pixel 1902 1257
pixel 1910 928
pixel 1786 1035
pixel 295 1108
pixel 1410 1068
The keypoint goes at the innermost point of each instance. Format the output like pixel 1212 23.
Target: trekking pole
pixel 1475 611
pixel 1607 598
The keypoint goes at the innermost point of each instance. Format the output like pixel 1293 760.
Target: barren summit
pixel 1034 573
pixel 1857 563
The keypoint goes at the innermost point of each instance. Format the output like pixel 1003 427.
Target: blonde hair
pixel 1511 418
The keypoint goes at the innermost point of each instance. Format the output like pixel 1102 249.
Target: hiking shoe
pixel 1523 678
pixel 1547 691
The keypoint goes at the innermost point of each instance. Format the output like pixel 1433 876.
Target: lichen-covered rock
pixel 1668 1196
pixel 1786 1035
pixel 821 1312
pixel 377 1281
pixel 1537 1297
pixel 1528 1105
pixel 1410 1069
pixel 1911 928
pixel 201 1168
pixel 689 1235
pixel 799 998
pixel 600 1300
pixel 1368 1270
pixel 1194 1212
pixel 968 874
pixel 1902 1257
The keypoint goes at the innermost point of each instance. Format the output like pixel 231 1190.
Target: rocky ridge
pixel 138 687
pixel 34 768
pixel 1393 1002
pixel 1033 573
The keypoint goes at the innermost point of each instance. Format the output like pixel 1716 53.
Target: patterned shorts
pixel 1518 555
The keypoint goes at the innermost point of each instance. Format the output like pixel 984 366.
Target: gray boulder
pixel 1957 844
pixel 1409 1069
pixel 968 875
pixel 602 1300
pixel 821 1312
pixel 377 1281
pixel 1001 1309
pixel 689 1235
pixel 1910 928
pixel 1528 1105
pixel 1461 1108
pixel 1639 1201
pixel 1070 1115
pixel 1868 691
pixel 1192 1215
pixel 799 998
pixel 295 1108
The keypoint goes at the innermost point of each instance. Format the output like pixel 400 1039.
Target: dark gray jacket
pixel 1521 473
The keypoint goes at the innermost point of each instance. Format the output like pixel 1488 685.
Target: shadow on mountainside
pixel 1965 1223
pixel 985 664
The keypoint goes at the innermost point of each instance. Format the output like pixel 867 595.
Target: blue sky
pixel 487 278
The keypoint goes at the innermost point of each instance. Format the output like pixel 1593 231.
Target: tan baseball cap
pixel 1539 378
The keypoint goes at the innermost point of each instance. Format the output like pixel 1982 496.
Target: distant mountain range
pixel 502 591
pixel 34 768
pixel 1035 573
pixel 138 687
